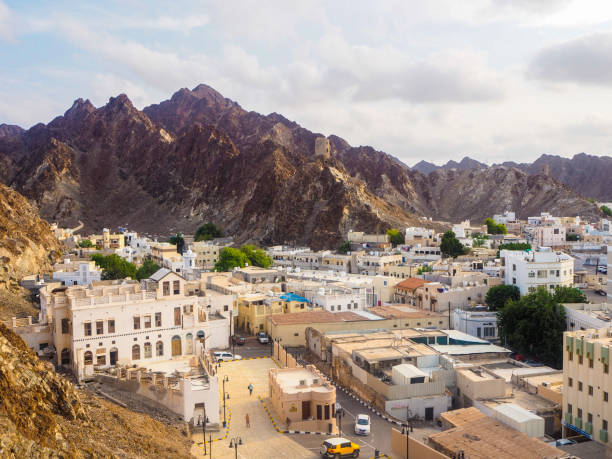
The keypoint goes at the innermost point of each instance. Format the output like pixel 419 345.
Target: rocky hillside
pixel 201 157
pixel 588 175
pixel 43 415
pixel 27 244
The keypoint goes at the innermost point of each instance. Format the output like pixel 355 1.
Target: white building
pixel 549 235
pixel 130 322
pixel 478 322
pixel 338 299
pixel 529 270
pixel 420 234
pixel 507 216
pixel 76 272
pixel 373 263
pixel 581 316
pixel 422 254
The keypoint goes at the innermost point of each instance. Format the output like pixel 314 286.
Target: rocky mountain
pixel 201 157
pixel 587 174
pixel 43 415
pixel 27 244
pixel 466 163
pixel 7 130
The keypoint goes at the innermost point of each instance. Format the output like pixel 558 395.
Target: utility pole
pixel 210 446
pixel 225 378
pixel 204 421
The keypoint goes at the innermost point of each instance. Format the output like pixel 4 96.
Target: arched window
pixel 176 346
pixel 189 344
pixel 88 358
pixel 159 347
pixel 65 356
pixel 148 351
pixel 135 352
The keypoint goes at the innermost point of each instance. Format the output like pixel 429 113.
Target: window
pixel 176 287
pixel 569 408
pixel 514 281
pixel 148 351
pixel 111 326
pixel 580 360
pixel 580 386
pixel 135 352
pixel 590 363
pixel 580 412
pixel 605 368
pixel 166 287
pixel 136 322
pixel 159 349
pixel 333 308
pixel 570 382
pixel 541 273
pixel 65 326
pixel 589 418
pixel 531 274
pixel 99 327
pixel 158 319
pixel 87 328
pixel 604 424
pixel 101 359
pixel 605 396
pixel 590 390
pixel 177 316
pixel 147 321
pixel 513 267
pixel 88 358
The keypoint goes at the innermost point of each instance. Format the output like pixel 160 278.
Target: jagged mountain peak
pixel 79 108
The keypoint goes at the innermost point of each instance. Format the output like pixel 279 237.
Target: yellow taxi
pixel 339 447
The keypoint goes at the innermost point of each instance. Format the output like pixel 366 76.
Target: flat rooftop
pixel 390 312
pixel 476 374
pixel 390 353
pixel 462 416
pixel 289 380
pixel 315 317
pixel 487 438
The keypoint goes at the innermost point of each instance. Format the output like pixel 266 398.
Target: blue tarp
pixel 293 297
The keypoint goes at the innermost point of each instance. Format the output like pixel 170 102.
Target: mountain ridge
pixel 199 156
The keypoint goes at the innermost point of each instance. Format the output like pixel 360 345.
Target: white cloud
pixel 585 60
pixel 6 23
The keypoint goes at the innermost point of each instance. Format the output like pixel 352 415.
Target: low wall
pixel 417 449
pixel 283 358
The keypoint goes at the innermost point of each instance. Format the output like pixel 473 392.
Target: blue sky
pixel 493 79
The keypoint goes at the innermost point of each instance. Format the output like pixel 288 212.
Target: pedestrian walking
pixel 248 421
pixel 250 389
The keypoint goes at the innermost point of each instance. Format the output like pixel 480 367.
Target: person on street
pixel 248 420
pixel 250 389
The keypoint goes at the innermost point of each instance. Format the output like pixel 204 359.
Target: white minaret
pixel 189 259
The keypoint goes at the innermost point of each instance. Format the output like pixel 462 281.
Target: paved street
pixel 261 440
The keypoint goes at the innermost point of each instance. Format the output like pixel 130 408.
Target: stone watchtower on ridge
pixel 322 147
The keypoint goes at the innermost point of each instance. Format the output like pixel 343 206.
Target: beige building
pixel 477 383
pixel 255 308
pixel 164 253
pixel 304 398
pixel 107 240
pixel 207 254
pixel 587 407
pixel 291 328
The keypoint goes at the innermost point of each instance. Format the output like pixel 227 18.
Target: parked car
pixel 226 356
pixel 362 424
pixel 262 337
pixel 238 340
pixel 601 292
pixel 562 442
pixel 339 447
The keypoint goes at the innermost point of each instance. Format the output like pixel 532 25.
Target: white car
pixel 262 337
pixel 226 356
pixel 362 424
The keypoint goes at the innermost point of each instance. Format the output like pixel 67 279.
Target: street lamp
pixel 406 429
pixel 203 419
pixel 225 378
pixel 234 442
pixel 278 341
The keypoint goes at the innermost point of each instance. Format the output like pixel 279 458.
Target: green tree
pixel 114 267
pixel 514 246
pixel 345 247
pixel 606 210
pixel 256 256
pixel 569 295
pixel 230 258
pixel 450 245
pixel 495 228
pixel 498 296
pixel 177 240
pixel 591 200
pixel 478 242
pixel 571 237
pixel 425 269
pixel 534 325
pixel 395 236
pixel 148 268
pixel 208 231
pixel 85 243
